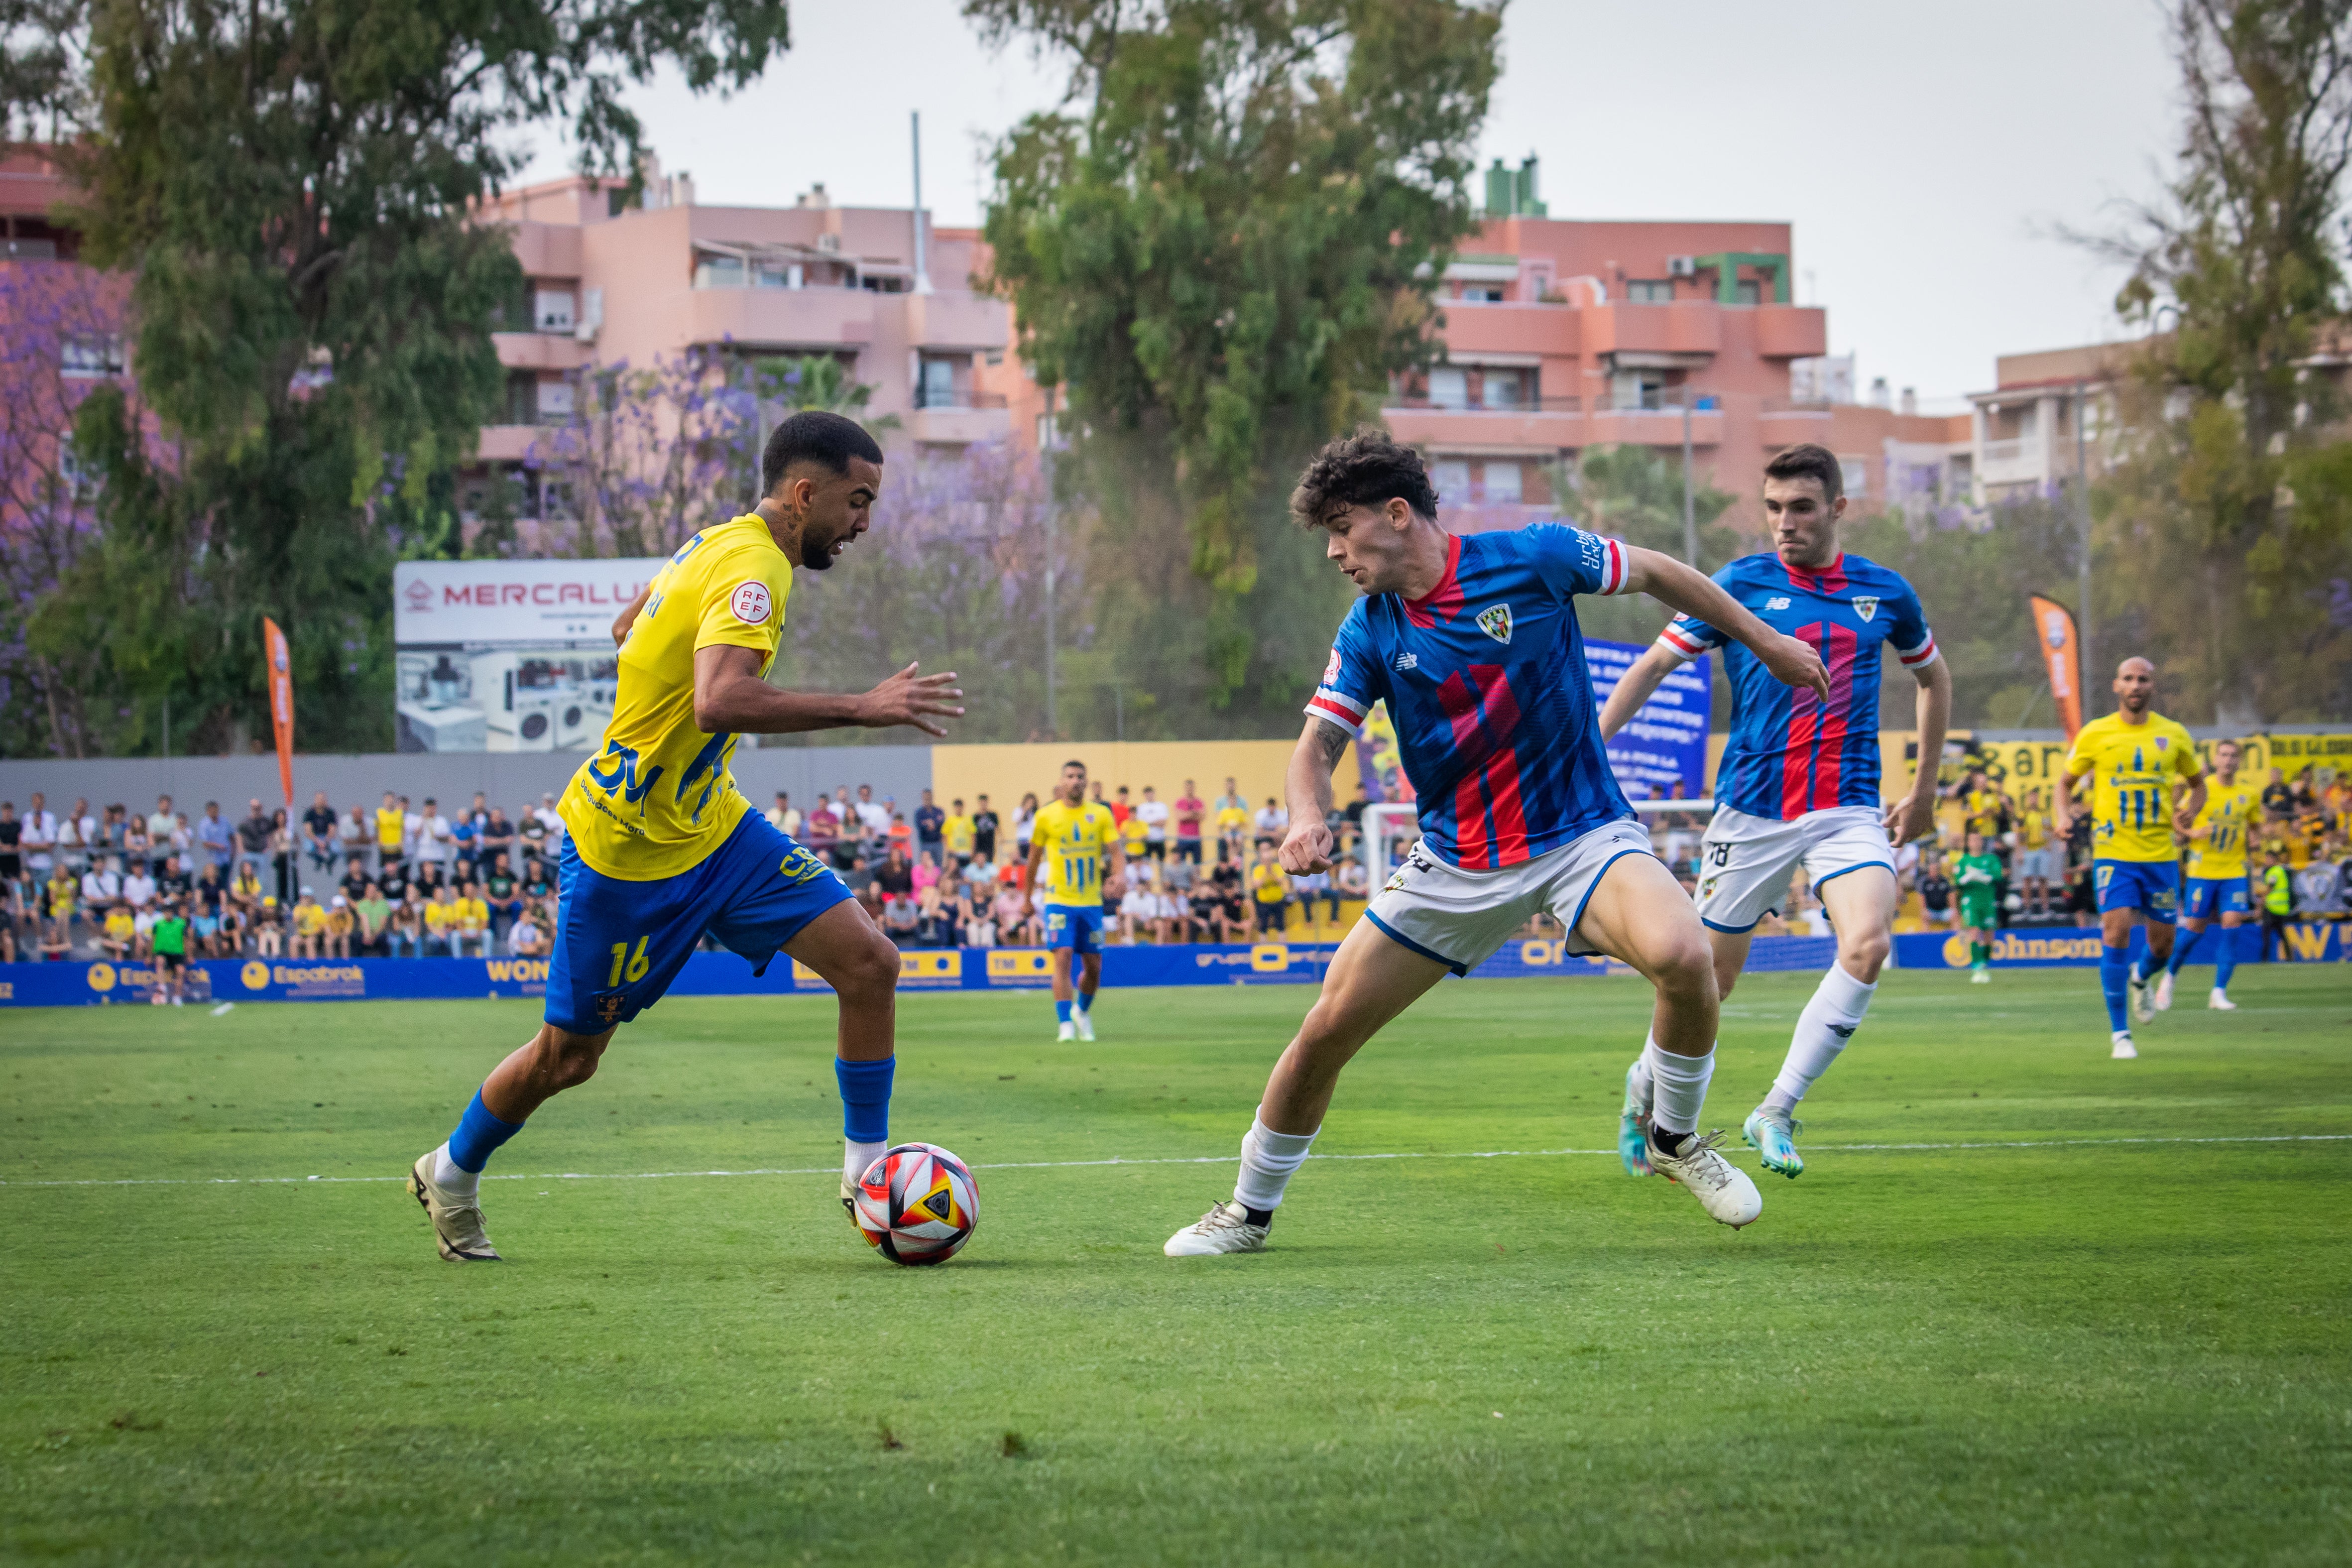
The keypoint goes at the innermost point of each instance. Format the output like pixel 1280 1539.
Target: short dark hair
pixel 1366 469
pixel 815 436
pixel 1806 460
pixel 1074 762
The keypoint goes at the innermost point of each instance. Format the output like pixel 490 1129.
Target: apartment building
pixel 2045 420
pixel 1564 334
pixel 609 280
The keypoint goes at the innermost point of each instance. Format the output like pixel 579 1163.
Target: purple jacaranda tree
pixel 648 455
pixel 63 328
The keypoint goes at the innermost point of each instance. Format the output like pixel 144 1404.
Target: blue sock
pixel 2181 947
pixel 2114 973
pixel 2226 964
pixel 864 1099
pixel 479 1135
pixel 1086 1001
pixel 1062 1010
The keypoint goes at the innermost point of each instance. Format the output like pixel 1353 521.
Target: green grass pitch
pixel 2067 1310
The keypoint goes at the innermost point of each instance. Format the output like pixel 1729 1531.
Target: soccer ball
pixel 917 1204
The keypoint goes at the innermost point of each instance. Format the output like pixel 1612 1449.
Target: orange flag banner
pixel 281 705
pixel 2053 629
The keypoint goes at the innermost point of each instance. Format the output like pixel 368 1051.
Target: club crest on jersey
pixel 1865 606
pixel 1495 622
pixel 1331 670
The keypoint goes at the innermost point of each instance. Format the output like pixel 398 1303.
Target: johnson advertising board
pixel 507 655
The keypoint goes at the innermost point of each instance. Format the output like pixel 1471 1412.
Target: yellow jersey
pixel 1073 837
pixel 1133 836
pixel 390 826
pixel 2032 828
pixel 1269 884
pixel 958 833
pixel 656 799
pixel 2230 810
pixel 2132 768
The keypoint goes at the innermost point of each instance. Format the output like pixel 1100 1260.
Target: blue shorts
pixel 1077 927
pixel 619 943
pixel 2152 887
pixel 2210 897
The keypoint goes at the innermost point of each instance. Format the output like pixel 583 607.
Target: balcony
pixel 974 417
pixel 1684 328
pixel 2018 461
pixel 1785 421
pixel 1632 424
pixel 508 443
pixel 1791 331
pixel 1541 428
pixel 956 320
pixel 540 351
pixel 1474 327
pixel 782 318
pixel 547 249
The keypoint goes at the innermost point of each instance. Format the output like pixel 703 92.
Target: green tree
pixel 2226 515
pixel 289 182
pixel 1635 494
pixel 1221 255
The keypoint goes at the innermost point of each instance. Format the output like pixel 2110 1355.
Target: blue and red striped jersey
pixel 1486 683
pixel 1791 752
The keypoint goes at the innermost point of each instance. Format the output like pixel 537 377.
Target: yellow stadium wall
pixel 1004 773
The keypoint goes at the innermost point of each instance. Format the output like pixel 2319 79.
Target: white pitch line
pixel 1175 1160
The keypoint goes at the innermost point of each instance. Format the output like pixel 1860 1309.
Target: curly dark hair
pixel 1366 469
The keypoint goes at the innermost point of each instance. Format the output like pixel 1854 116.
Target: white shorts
pixel 1463 918
pixel 2045 863
pixel 1745 862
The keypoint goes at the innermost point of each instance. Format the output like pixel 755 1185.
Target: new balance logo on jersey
pixel 1780 604
pixel 1495 622
pixel 1865 606
pixel 1408 661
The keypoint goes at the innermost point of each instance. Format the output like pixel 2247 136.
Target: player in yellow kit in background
pixel 2217 876
pixel 2136 758
pixel 663 847
pixel 1073 840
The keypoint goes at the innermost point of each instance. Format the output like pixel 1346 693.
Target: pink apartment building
pixel 609 282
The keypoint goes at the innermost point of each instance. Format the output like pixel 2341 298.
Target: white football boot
pixel 1721 1187
pixel 2124 1051
pixel 457 1222
pixel 2220 1001
pixel 2141 1007
pixel 1225 1228
pixel 2163 992
pixel 1065 1034
pixel 1086 1023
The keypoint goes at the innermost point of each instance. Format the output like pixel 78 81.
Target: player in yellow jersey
pixel 391 831
pixel 2136 761
pixel 663 847
pixel 2217 876
pixel 1076 842
pixel 2040 860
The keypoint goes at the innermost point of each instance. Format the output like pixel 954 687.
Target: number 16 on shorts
pixel 628 966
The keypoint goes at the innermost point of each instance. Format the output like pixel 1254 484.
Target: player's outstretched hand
pixel 1306 849
pixel 1794 663
pixel 910 698
pixel 1909 818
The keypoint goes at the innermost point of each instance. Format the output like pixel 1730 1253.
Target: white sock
pixel 1822 1029
pixel 1681 1088
pixel 856 1157
pixel 1640 1086
pixel 452 1178
pixel 1268 1158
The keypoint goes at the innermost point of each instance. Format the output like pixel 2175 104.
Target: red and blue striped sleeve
pixel 1913 644
pixel 1352 677
pixel 1571 561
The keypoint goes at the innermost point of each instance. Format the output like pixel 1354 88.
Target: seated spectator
pixel 442 917
pixel 408 924
pixel 310 926
pixel 172 881
pixel 930 918
pixel 102 888
pixel 1316 884
pixel 321 833
pixel 371 911
pixel 138 888
pixel 473 923
pixel 525 939
pixel 979 921
pixel 115 937
pixel 1272 820
pixel 1139 913
pixel 268 927
pixel 1269 889
pixel 1010 915
pixel 502 893
pixel 245 889
pixel 1351 880
pixel 235 925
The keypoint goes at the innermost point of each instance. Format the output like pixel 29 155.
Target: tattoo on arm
pixel 1330 742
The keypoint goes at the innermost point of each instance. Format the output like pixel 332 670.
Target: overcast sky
pixel 1921 153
